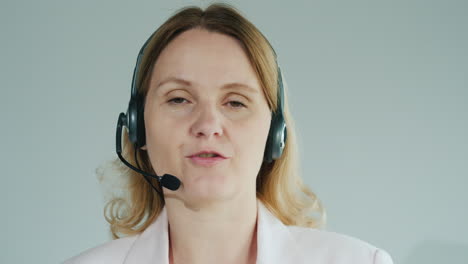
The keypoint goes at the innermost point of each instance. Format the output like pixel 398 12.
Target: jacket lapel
pixel 152 246
pixel 275 244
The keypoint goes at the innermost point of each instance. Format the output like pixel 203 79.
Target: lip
pixel 206 162
pixel 209 152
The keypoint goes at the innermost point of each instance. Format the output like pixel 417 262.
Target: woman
pixel 207 114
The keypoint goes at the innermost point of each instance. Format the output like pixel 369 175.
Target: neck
pixel 221 232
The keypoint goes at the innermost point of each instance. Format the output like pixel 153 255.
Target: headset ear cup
pixel 136 122
pixel 276 139
pixel 279 139
pixel 141 134
pixel 132 124
pixel 267 157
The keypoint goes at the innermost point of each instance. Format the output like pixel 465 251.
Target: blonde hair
pixel 279 185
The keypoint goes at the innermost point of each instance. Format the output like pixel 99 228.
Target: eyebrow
pixel 225 86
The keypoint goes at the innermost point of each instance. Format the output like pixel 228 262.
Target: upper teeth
pixel 207 155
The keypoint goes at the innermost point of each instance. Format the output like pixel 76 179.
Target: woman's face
pixel 192 105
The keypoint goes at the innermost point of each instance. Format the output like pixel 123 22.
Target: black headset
pixel 135 124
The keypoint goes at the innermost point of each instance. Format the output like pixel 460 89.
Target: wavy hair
pixel 279 184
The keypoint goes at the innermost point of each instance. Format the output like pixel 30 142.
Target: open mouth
pixel 206 159
pixel 208 155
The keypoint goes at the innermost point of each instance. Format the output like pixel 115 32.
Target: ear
pixel 144 147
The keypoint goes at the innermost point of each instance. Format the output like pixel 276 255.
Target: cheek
pixel 162 138
pixel 161 127
pixel 251 142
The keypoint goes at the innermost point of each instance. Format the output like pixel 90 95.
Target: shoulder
pixel 110 252
pixel 331 247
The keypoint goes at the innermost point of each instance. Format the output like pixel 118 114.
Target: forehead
pixel 204 59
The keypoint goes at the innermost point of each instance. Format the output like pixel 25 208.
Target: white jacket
pixel 276 243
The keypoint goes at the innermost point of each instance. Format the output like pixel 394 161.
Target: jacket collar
pixel 275 244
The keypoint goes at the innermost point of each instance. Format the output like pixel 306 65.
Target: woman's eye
pixel 180 100
pixel 177 100
pixel 236 104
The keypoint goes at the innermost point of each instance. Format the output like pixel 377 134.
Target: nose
pixel 208 123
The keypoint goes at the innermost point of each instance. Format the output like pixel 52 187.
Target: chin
pixel 210 189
